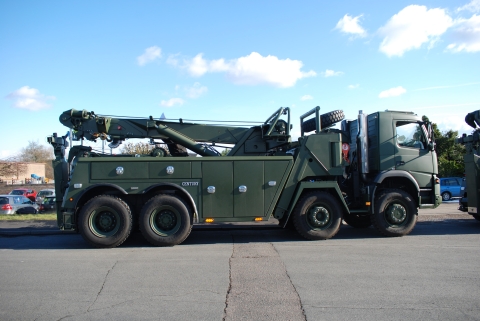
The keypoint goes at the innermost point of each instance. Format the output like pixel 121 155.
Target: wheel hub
pixel 166 220
pixel 106 221
pixel 396 213
pixel 319 216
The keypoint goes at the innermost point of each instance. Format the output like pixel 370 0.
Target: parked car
pixel 17 204
pixel 43 193
pixel 450 187
pixel 27 192
pixel 48 204
pixel 463 202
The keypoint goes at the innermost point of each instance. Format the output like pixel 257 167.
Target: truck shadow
pixel 229 233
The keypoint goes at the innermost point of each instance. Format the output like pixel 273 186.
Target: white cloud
pixel 172 102
pixel 30 99
pixel 253 69
pixel 392 92
pixel 149 55
pixel 351 25
pixel 466 35
pixel 306 97
pixel 331 73
pixel 353 86
pixel 473 6
pixel 196 90
pixel 412 27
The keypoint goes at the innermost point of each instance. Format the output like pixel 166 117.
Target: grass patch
pixel 29 217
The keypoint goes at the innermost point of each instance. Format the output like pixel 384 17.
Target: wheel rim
pixel 165 221
pixel 318 217
pixel 446 196
pixel 396 214
pixel 104 221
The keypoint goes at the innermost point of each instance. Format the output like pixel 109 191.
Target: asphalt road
pixel 239 274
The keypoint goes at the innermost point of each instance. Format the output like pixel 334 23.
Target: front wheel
pixel 317 216
pixel 165 220
pixel 105 221
pixel 446 196
pixel 395 213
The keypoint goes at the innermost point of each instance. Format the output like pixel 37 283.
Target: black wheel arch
pixel 98 189
pixel 180 191
pixel 395 179
pixel 305 189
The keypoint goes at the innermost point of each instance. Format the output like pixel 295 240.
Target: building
pixel 19 172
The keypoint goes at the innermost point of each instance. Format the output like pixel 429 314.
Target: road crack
pixel 103 285
pixel 291 282
pixel 229 279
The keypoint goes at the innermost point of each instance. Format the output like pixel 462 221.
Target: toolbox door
pixel 217 189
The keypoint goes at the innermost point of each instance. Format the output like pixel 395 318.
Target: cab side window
pixel 410 135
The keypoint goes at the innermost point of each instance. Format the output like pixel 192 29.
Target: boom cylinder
pixel 183 140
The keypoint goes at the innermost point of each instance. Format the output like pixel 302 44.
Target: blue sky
pixel 234 60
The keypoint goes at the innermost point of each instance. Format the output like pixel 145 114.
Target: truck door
pixel 412 153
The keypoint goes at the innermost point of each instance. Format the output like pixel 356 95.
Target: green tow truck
pixel 377 169
pixel 471 197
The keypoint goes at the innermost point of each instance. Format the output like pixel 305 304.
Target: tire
pixel 105 221
pixel 326 120
pixel 317 216
pixel 165 220
pixel 395 213
pixel 446 196
pixel 357 221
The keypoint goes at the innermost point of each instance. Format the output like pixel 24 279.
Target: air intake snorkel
pixel 362 145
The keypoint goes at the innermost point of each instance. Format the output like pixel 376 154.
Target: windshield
pixel 17 192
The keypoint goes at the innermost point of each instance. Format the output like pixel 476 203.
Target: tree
pixel 140 148
pixel 449 153
pixel 12 167
pixel 38 153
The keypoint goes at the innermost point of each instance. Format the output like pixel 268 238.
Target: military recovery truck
pixel 377 169
pixel 470 199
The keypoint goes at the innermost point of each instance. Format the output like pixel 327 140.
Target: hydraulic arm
pixel 90 126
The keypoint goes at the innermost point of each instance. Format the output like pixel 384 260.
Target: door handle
pixel 400 163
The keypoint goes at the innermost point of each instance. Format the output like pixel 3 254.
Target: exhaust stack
pixel 362 144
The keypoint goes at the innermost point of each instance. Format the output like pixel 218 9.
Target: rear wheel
pixel 395 213
pixel 105 221
pixel 165 220
pixel 446 196
pixel 357 221
pixel 317 216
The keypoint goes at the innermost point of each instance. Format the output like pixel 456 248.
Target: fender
pixel 392 173
pixel 184 193
pixel 320 185
pixel 116 187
